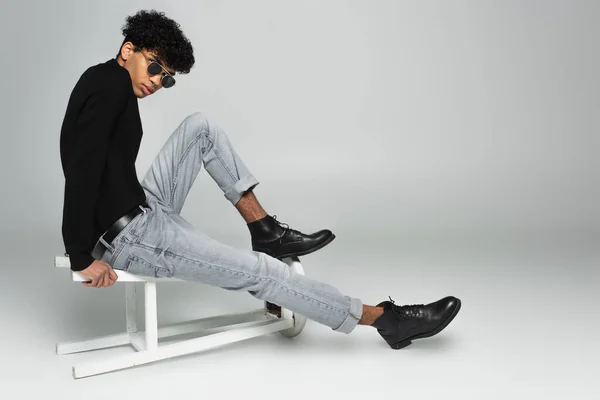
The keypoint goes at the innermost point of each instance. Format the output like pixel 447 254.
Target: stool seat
pixel 123 276
pixel 218 330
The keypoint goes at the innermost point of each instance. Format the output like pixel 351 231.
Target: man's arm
pixel 86 159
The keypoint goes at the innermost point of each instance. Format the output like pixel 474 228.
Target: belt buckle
pixel 143 209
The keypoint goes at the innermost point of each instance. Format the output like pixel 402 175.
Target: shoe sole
pixel 305 252
pixel 403 343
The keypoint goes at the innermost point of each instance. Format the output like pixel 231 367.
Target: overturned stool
pixel 218 330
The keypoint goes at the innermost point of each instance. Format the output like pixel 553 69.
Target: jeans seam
pixel 233 272
pixel 150 265
pixel 117 253
pixel 203 131
pixel 179 164
pixel 223 163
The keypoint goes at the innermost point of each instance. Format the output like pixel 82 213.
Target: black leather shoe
pixel 269 236
pixel 399 325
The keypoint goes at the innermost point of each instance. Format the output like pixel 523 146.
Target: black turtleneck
pixel 99 142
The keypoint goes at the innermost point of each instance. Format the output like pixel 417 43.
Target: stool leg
pixel 131 307
pixel 151 315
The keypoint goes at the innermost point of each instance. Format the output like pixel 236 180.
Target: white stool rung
pixel 216 330
pixel 195 345
pixel 206 325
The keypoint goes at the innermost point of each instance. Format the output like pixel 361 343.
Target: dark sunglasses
pixel 154 68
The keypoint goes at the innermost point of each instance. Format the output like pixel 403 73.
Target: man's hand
pixel 100 273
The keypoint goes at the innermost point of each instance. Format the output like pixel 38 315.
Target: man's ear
pixel 127 50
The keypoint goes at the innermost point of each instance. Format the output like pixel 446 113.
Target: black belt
pixel 115 229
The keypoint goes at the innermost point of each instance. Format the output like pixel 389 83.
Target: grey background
pixel 450 145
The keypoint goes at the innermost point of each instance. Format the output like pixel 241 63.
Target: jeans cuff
pixel 244 184
pixel 354 315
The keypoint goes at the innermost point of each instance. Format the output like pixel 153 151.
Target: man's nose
pixel 156 81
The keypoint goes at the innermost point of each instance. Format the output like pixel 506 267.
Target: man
pixel 110 220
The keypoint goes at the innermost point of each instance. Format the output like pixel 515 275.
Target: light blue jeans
pixel 160 243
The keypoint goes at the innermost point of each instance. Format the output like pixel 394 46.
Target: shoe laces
pixel 410 310
pixel 285 229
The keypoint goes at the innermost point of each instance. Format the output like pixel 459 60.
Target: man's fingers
pixel 92 283
pixel 106 279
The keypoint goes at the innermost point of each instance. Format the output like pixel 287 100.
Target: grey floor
pixel 528 326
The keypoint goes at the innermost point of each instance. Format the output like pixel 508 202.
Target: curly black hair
pixel 152 30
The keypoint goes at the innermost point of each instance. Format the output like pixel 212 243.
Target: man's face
pixel 137 65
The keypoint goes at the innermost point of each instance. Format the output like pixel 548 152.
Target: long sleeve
pixel 84 149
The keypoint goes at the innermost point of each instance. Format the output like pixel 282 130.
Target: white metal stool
pixel 219 330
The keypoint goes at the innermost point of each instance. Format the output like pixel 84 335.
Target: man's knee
pixel 197 120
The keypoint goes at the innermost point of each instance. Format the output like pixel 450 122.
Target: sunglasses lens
pixel 154 69
pixel 168 81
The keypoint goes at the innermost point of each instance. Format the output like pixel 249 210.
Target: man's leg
pixel 157 248
pixel 196 142
pixel 164 244
pixel 250 208
pixel 172 246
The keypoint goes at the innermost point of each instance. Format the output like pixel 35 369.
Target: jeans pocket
pixel 122 248
pixel 138 230
pixel 138 266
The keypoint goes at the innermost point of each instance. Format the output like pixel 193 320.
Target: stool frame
pixel 217 330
